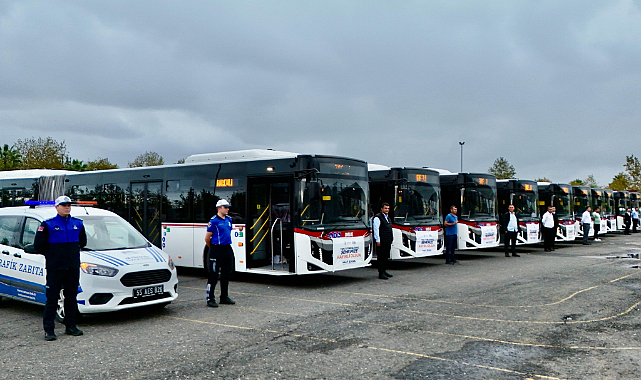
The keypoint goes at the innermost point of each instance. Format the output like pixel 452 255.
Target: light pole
pixel 461 143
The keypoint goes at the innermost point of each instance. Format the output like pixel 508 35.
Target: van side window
pixel 29 232
pixel 9 225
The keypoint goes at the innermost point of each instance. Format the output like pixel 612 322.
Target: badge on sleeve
pixel 41 228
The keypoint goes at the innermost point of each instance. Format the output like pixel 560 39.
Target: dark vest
pixel 385 230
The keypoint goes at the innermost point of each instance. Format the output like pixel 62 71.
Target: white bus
pixel 474 195
pixel 582 198
pixel 558 195
pixel 415 209
pixel 524 195
pixel 291 213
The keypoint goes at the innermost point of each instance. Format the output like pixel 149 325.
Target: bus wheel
pixel 206 260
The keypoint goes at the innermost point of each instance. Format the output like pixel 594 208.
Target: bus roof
pixel 375 167
pixel 240 155
pixel 33 173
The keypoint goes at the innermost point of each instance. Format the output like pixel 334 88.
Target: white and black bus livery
pixel 524 195
pixel 600 200
pixel 609 210
pixel 558 195
pixel 582 197
pixel 291 213
pixel 474 195
pixel 622 200
pixel 415 208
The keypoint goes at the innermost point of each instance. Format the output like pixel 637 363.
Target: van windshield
pixel 110 233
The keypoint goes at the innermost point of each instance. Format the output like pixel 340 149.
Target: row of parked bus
pixel 300 214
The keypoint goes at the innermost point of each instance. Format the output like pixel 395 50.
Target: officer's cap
pixel 62 199
pixel 222 202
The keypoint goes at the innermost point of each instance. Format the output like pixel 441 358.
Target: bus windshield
pixel 581 202
pixel 479 203
pixel 341 202
pixel 525 204
pixel 111 232
pixel 417 204
pixel 562 204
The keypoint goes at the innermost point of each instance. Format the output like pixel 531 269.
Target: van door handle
pixel 17 255
pixel 5 252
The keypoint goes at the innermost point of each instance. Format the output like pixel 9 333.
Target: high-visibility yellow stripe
pixel 260 229
pixel 258 245
pixel 260 217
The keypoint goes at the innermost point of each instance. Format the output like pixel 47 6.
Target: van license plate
pixel 149 291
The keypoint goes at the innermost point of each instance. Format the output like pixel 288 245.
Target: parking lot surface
pixel 569 314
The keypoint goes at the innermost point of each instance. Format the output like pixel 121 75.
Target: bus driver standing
pixel 221 255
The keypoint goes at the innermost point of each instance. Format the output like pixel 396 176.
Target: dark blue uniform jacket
pixel 59 239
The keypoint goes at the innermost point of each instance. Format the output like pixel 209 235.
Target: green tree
pixel 10 158
pixel 42 153
pixel 147 159
pixel 543 179
pixel 633 167
pixel 590 181
pixel 502 169
pixel 577 182
pixel 181 161
pixel 620 181
pixel 101 164
pixel 75 165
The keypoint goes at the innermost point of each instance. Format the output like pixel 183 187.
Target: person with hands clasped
pixel 450 235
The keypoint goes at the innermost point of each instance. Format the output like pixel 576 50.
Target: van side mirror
pixel 30 248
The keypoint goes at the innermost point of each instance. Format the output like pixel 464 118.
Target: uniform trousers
pixel 382 256
pixel 586 232
pixel 450 247
pixel 221 264
pixel 68 280
pixel 548 238
pixel 510 239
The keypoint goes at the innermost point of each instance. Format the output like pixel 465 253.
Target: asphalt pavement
pixel 569 314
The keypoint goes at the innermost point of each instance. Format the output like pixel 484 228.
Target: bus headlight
pixel 98 270
pixel 170 262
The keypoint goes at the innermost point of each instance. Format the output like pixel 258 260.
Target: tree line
pixel 47 153
pixel 629 179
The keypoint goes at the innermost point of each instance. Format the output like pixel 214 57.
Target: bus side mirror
pixel 314 189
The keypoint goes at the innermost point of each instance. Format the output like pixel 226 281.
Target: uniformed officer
pixel 221 255
pixel 59 239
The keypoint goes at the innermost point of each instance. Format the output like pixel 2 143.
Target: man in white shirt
pixel 547 222
pixel 586 219
pixel 635 218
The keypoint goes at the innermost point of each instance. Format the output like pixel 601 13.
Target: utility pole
pixel 461 143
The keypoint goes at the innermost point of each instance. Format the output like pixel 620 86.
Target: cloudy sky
pixel 552 86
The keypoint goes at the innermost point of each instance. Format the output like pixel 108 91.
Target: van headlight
pixel 170 262
pixel 98 270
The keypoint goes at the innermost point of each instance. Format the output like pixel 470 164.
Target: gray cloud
pixel 552 86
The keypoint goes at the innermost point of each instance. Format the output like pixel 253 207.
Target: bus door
pixel 270 235
pixel 144 210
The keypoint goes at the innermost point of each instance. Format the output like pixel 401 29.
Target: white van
pixel 119 268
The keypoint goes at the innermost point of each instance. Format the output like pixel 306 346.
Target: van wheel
pixel 60 311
